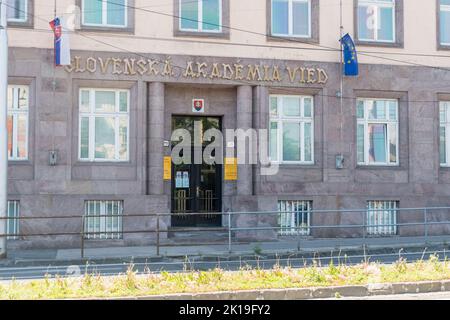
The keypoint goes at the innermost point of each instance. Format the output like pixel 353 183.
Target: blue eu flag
pixel 350 57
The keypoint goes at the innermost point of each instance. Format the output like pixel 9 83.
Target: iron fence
pixel 232 226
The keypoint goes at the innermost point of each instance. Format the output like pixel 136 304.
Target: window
pixel 104 125
pixel 105 13
pixel 103 219
pixel 377 132
pixel 201 15
pixel 444 21
pixel 17 10
pixel 294 217
pixel 17 123
pixel 12 224
pixel 291 129
pixel 444 133
pixel 291 18
pixel 382 217
pixel 376 20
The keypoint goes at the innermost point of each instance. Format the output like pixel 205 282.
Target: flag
pixel 350 56
pixel 62 45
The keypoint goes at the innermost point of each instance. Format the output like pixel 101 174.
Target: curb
pixel 310 293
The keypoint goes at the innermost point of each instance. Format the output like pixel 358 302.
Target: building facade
pixel 92 139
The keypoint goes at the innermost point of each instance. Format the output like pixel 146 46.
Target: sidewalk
pixel 222 250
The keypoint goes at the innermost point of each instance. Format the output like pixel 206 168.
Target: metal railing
pixel 233 227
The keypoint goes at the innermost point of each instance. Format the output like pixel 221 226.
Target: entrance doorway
pixel 196 188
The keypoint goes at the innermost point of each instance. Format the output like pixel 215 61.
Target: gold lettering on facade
pixel 253 71
pixel 195 70
pixel 190 71
pixel 238 69
pixel 168 68
pixel 116 66
pixel 322 76
pixel 227 71
pixel 104 64
pixel 292 73
pixel 215 72
pixel 276 76
pixel 152 67
pixel 141 66
pixel 311 75
pixel 129 67
pixel 201 70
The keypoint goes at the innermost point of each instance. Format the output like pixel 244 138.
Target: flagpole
pixel 3 127
pixel 341 90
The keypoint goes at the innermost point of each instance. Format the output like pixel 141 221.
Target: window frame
pixel 366 121
pixel 105 23
pixel 200 19
pixel 13 234
pixel 441 8
pixel 26 13
pixel 15 112
pixel 280 119
pixel 377 4
pixel 446 125
pixel 92 115
pixel 290 33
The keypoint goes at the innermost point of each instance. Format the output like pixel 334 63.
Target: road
pixel 110 269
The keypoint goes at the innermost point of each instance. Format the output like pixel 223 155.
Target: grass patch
pixel 134 284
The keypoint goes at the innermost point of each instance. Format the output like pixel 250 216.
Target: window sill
pixel 378 167
pixel 202 34
pixel 276 38
pixel 379 44
pixel 443 47
pixel 104 163
pixel 106 29
pixel 20 162
pixel 20 25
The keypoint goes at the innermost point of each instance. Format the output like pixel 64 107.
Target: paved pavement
pixel 418 296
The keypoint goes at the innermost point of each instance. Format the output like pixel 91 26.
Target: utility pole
pixel 3 127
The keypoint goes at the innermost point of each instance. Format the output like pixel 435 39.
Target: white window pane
pixel 377 143
pixel 16 10
pixel 360 143
pixel 386 28
pixel 307 106
pixel 84 138
pixel 366 22
pixel 92 11
pixel 291 106
pixel 360 109
pixel 123 102
pixel 280 17
pixel 392 106
pixel 105 101
pixel 211 15
pixel 116 11
pixel 393 143
pixel 189 14
pixel 308 142
pixel 274 141
pixel 445 27
pixel 21 147
pixel 84 103
pixel 291 141
pixel 123 138
pixel 377 110
pixel 104 138
pixel 442 146
pixel 22 96
pixel 300 18
pixel 442 112
pixel 273 106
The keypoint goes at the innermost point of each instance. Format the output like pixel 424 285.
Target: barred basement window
pixel 294 217
pixel 103 219
pixel 382 217
pixel 12 224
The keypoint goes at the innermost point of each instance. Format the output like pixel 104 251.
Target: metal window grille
pixel 12 224
pixel 103 219
pixel 382 217
pixel 294 217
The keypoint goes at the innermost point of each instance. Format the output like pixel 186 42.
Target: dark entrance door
pixel 196 188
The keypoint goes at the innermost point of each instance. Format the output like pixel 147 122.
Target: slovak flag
pixel 62 45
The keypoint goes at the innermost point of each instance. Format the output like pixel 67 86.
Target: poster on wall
pixel 167 168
